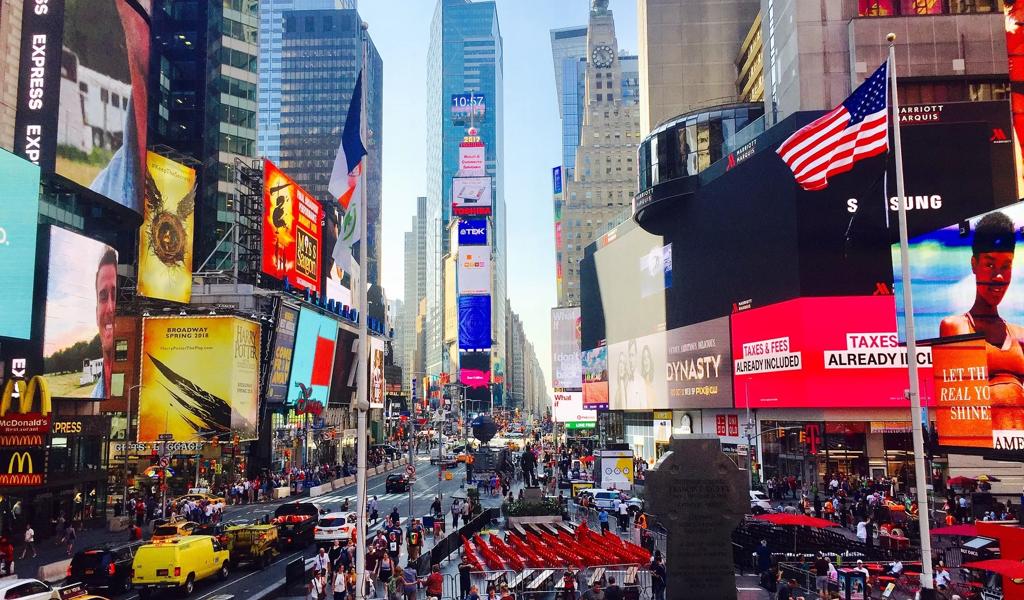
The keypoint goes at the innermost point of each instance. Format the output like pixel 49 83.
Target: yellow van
pixel 178 563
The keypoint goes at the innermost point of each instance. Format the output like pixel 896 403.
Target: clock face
pixel 603 57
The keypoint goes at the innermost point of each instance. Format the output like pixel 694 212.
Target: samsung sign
pixel 473 232
pixel 39 81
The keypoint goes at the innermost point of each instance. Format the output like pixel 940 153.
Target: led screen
pixel 313 358
pixel 291 231
pixel 19 215
pixel 281 354
pixel 474 322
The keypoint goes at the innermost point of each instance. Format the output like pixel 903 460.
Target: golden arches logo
pixel 22 458
pixel 26 395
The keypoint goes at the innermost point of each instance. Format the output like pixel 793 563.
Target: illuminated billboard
pixel 567 407
pixel 474 322
pixel 472 159
pixel 595 378
pixel 81 301
pixel 473 232
pixel 475 369
pixel 291 231
pixel 471 195
pixel 165 239
pixel 19 216
pixel 83 105
pixel 343 383
pixel 468 105
pixel 698 368
pixel 281 354
pixel 199 375
pixel 636 373
pixel 378 387
pixel 313 358
pixel 566 363
pixel 474 270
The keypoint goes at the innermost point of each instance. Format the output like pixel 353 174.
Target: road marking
pixel 209 595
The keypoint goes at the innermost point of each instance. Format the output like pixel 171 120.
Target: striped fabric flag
pixel 856 129
pixel 347 167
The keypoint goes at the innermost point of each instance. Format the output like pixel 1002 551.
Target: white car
pixel 335 526
pixel 759 503
pixel 606 499
pixel 25 589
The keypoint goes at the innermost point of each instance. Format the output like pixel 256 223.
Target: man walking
pixel 623 519
pixel 30 541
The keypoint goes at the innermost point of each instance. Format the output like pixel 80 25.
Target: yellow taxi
pixel 199 497
pixel 178 563
pixel 172 529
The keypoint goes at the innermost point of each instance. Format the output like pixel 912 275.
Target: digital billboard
pixel 1013 16
pixel 636 373
pixel 468 105
pixel 473 232
pixel 474 322
pixel 474 275
pixel 378 384
pixel 19 216
pixel 475 369
pixel 699 365
pixel 472 159
pixel 199 375
pixel 81 301
pixel 974 409
pixel 595 378
pixel 165 238
pixel 291 231
pixel 566 363
pixel 567 407
pixel 313 358
pixel 83 104
pixel 471 195
pixel 343 383
pixel 281 354
pixel 823 352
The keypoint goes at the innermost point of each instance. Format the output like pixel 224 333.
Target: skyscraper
pixel 464 55
pixel 569 52
pixel 316 89
pixel 271 13
pixel 415 290
pixel 205 106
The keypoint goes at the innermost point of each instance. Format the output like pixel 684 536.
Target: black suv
pixel 106 566
pixel 295 523
pixel 396 482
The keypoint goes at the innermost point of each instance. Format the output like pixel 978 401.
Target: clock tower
pixel 603 74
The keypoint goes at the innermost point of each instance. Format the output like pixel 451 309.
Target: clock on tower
pixel 603 56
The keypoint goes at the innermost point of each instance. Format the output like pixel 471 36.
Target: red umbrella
pixel 1008 568
pixel 961 481
pixel 962 530
pixel 796 520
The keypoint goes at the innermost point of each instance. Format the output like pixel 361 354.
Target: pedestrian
pixel 456 512
pixel 623 520
pixel 821 575
pixel 659 577
pixel 434 583
pixel 473 594
pixel 340 591
pixel 410 581
pixel 334 554
pixel 316 588
pixel 30 541
pixel 373 510
pixel 395 586
pixel 69 537
pixel 415 536
pixel 467 510
pixel 602 518
pixel 321 562
pixel 786 590
pixel 465 578
pixel 613 591
pixel 594 593
pixel 568 584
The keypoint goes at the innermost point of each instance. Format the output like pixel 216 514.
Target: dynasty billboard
pixel 566 362
pixel 83 104
pixel 291 231
pixel 698 370
pixel 81 301
pixel 281 354
pixel 313 358
pixel 822 352
pixel 165 239
pixel 199 375
pixel 19 215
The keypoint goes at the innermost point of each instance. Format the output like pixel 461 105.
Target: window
pixel 611 97
pixel 599 87
pixel 600 98
pixel 120 350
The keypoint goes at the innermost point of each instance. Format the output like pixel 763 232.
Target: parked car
pixel 107 566
pixel 25 589
pixel 606 499
pixel 397 483
pixel 335 526
pixel 296 522
pixel 178 564
pixel 759 503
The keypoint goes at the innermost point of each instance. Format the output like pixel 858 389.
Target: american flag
pixel 856 129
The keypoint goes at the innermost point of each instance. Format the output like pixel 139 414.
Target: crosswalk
pixel 384 501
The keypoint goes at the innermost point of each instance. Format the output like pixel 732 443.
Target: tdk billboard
pixel 473 232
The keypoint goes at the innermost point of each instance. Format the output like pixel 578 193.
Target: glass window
pixel 120 350
pixel 611 97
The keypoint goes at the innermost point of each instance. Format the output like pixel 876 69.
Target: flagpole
pixel 362 402
pixel 924 526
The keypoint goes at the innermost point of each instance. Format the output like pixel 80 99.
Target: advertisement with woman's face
pixel 963 288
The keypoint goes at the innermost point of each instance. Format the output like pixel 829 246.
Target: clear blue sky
pixel 401 30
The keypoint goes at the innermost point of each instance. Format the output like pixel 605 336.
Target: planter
pixel 548 520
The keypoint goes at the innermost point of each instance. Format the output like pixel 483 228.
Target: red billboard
pixel 291 230
pixel 838 352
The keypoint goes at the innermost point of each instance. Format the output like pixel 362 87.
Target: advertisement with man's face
pixel 291 231
pixel 566 363
pixel 963 286
pixel 19 216
pixel 101 129
pixel 636 373
pixel 699 366
pixel 834 352
pixel 165 239
pixel 81 300
pixel 199 375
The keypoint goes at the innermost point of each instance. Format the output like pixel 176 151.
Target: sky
pixel 401 30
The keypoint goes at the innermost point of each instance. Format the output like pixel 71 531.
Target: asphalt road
pixel 244 583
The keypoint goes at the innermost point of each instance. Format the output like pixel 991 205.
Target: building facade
pixel 464 56
pixel 687 53
pixel 10 43
pixel 316 89
pixel 271 14
pixel 415 292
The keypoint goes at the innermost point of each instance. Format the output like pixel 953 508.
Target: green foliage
pixel 522 508
pixel 98 156
pixel 70 359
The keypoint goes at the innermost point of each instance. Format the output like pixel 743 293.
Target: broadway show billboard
pixel 378 385
pixel 83 106
pixel 837 352
pixel 81 301
pixel 19 216
pixel 281 354
pixel 165 239
pixel 698 370
pixel 595 378
pixel 313 358
pixel 566 362
pixel 199 375
pixel 291 231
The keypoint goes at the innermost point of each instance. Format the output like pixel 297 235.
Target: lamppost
pixel 127 436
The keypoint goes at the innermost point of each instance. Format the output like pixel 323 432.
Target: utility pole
pixel 412 441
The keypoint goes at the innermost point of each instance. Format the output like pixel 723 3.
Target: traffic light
pixel 803 437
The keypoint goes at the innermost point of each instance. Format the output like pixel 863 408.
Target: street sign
pixel 580 424
pixel 165 437
pixel 410 470
pixel 742 449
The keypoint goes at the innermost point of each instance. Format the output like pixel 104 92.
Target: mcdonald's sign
pixel 22 467
pixel 27 419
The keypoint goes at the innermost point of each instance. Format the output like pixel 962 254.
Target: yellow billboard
pixel 165 239
pixel 200 377
pixel 451 301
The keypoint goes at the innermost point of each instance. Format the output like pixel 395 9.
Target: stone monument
pixel 699 495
